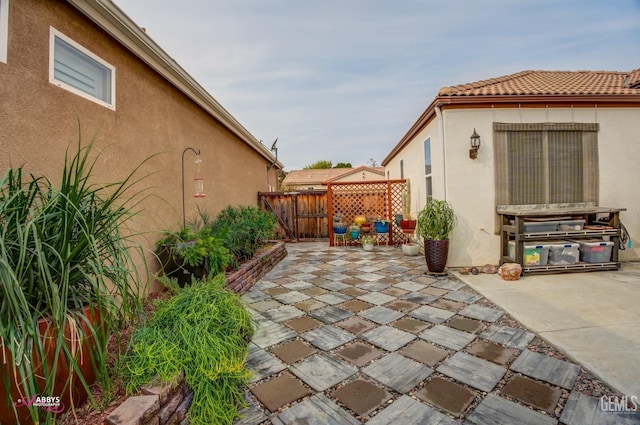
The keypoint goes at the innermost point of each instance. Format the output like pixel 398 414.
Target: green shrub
pixel 243 230
pixel 202 331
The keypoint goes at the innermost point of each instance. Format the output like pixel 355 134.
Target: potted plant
pixel 410 249
pixel 381 225
pixel 408 223
pixel 354 231
pixel 339 227
pixel 68 277
pixel 368 242
pixel 435 223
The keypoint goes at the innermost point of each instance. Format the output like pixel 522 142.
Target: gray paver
pixel 398 372
pixel 449 284
pixel 495 410
pixel 297 285
pixel 448 337
pixel 316 410
pixel 419 297
pixel 431 314
pixel 251 415
pixel 472 371
pixel 582 409
pixel 548 369
pixel 373 286
pixel 479 312
pixel 410 286
pixel 464 297
pixel 330 314
pixel 511 337
pixel 376 298
pixel 291 297
pixel 282 314
pixel 322 371
pixel 328 337
pixel 333 298
pixel 407 411
pixel 271 333
pixel 262 363
pixel 381 315
pixel 387 337
pixel 253 296
pixel 334 286
pixel 371 277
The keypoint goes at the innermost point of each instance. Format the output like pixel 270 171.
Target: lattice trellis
pixel 372 199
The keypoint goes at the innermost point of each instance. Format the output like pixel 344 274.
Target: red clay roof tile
pixel 528 83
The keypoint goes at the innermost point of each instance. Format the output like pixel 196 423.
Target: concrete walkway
pixel 593 317
pixel 347 336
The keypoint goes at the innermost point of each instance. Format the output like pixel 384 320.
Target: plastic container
pixel 563 252
pixel 539 226
pixel 568 225
pixel 595 251
pixel 534 254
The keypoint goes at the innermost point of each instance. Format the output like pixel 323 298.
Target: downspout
pixel 443 173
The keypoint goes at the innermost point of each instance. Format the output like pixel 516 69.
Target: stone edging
pixel 241 280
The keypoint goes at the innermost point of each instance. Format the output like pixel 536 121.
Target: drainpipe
pixel 441 137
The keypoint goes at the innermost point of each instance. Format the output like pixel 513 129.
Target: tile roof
pixel 319 175
pixel 528 83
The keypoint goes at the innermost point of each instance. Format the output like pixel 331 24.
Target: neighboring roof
pixel 117 24
pixel 318 176
pixel 529 87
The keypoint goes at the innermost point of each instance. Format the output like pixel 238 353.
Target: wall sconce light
pixel 475 145
pixel 198 180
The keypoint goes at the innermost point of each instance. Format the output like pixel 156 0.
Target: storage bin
pixel 563 252
pixel 595 251
pixel 568 225
pixel 539 226
pixel 534 254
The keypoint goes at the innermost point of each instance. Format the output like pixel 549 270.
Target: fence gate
pixel 302 215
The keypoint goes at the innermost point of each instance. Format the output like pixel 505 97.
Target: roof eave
pixel 443 101
pixel 117 24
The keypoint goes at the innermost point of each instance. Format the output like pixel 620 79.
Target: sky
pixel 344 80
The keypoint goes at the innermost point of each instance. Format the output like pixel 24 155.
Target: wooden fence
pixel 302 215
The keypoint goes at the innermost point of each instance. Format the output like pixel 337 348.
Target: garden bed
pixel 238 281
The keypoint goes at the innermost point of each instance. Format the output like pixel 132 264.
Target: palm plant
pixel 64 260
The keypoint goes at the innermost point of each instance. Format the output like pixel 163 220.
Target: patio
pixel 347 336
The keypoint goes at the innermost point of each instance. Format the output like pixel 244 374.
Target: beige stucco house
pixel 69 62
pixel 317 179
pixel 581 127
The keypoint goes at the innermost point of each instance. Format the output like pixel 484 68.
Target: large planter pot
pixel 66 376
pixel 436 253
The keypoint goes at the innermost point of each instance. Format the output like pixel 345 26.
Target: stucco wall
pixel 470 183
pixel 39 121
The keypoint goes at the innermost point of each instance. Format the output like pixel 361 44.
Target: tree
pixel 343 165
pixel 323 163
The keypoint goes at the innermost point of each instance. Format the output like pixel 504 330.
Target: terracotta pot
pixel 408 226
pixel 67 385
pixel 436 253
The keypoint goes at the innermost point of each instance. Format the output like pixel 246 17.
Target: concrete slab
pixel 431 314
pixel 388 338
pixel 580 313
pixel 322 371
pixel 448 337
pixel 328 337
pixel 381 315
pixel 545 368
pixel 362 396
pixel 262 364
pixel 472 371
pixel 505 335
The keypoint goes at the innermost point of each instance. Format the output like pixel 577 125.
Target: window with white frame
pixel 4 29
pixel 74 68
pixel 427 168
pixel 546 163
